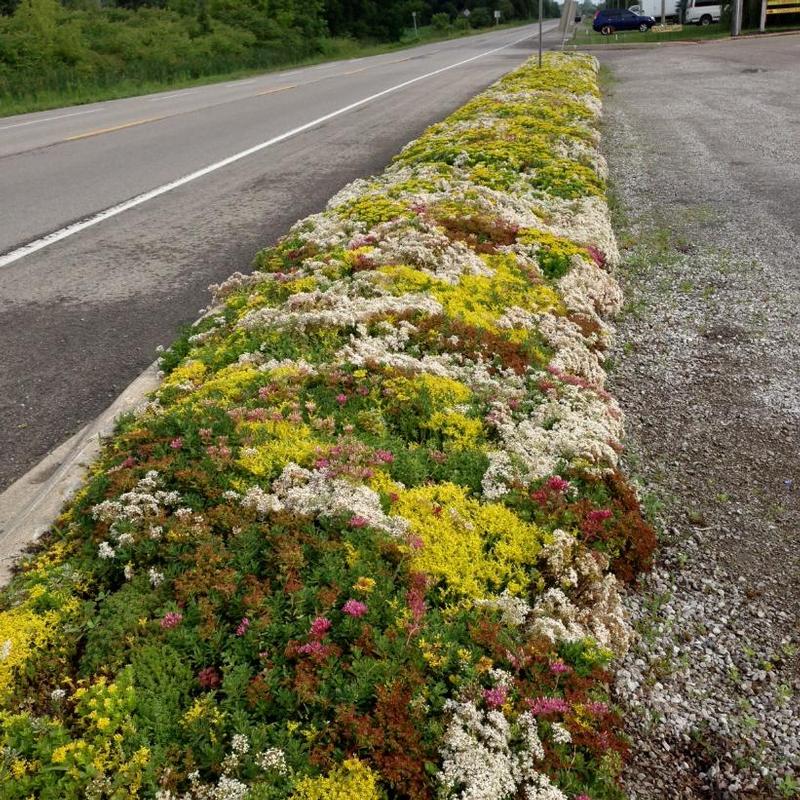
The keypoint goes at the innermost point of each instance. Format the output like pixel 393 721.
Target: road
pixel 81 317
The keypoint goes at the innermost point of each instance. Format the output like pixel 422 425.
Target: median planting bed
pixel 368 539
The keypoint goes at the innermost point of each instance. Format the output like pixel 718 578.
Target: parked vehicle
pixel 652 8
pixel 609 20
pixel 702 12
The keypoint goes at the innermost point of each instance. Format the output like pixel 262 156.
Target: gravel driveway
pixel 703 144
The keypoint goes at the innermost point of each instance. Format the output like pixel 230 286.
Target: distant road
pixel 80 317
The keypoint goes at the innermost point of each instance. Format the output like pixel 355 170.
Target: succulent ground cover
pixel 369 537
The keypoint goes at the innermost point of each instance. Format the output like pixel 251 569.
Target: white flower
pixel 5 650
pixel 106 551
pixel 128 571
pixel 57 695
pixel 560 734
pixel 273 759
pixel 156 577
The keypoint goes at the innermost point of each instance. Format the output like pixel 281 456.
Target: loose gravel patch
pixel 707 369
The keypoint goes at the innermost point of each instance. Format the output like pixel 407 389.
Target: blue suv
pixel 609 20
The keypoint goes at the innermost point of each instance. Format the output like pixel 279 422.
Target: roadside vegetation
pixel 368 538
pixel 672 33
pixel 54 54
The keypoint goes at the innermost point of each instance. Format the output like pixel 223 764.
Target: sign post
pixel 414 17
pixel 496 17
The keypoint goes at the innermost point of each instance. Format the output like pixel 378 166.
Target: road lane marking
pixel 351 72
pixel 48 119
pixel 170 96
pixel 113 128
pixel 133 202
pixel 276 89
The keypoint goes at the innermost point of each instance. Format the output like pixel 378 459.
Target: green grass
pixel 585 35
pixel 74 91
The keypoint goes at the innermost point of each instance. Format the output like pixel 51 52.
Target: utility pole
pixel 736 18
pixel 540 33
pixel 663 12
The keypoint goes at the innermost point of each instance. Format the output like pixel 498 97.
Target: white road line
pixel 113 211
pixel 47 119
pixel 170 96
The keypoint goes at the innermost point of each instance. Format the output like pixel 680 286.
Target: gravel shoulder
pixel 702 148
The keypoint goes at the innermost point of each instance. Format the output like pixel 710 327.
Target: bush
pixel 481 17
pixel 440 22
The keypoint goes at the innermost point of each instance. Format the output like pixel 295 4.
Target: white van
pixel 702 12
pixel 652 8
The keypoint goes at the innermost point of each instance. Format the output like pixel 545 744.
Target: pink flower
pixel 416 543
pixel 599 515
pixel 243 626
pixel 357 521
pixel 557 484
pixel 495 697
pixel 559 668
pixel 319 627
pixel 596 707
pixel 314 648
pixel 582 797
pixel 208 678
pixel 171 619
pixel 176 443
pixel 385 456
pixel 415 597
pixel 355 608
pixel 548 705
pixel 341 399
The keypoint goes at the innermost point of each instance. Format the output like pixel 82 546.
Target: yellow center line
pixel 352 72
pixel 276 89
pixel 100 131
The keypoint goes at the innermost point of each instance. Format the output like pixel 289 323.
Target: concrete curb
pixel 30 505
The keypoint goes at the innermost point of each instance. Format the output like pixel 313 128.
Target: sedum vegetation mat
pixel 367 540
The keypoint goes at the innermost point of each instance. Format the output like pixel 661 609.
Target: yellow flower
pixel 60 754
pixel 19 766
pixel 365 585
pixel 353 780
pixel 477 549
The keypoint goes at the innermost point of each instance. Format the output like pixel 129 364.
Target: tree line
pixel 57 45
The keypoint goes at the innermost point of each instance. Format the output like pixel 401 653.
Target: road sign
pixel 783 7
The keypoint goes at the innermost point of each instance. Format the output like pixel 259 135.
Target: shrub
pixel 440 22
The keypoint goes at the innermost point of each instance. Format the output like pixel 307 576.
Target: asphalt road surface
pixel 81 317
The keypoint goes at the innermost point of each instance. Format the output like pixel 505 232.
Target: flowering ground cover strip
pixel 367 541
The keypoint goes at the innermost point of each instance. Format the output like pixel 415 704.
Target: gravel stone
pixel 707 369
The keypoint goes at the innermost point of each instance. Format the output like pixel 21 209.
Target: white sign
pixel 496 14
